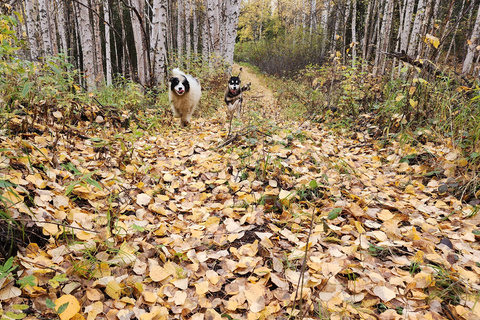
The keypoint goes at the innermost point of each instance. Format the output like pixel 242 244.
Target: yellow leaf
pixel 113 289
pixel 410 189
pixel 412 90
pixel 413 103
pixel 399 97
pixel 72 308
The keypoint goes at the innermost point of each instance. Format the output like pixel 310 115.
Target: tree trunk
pixel 142 75
pixel 99 74
pixel 62 26
pixel 108 54
pixel 87 44
pixel 407 24
pixel 31 29
pixel 158 40
pixel 43 11
pixel 232 14
pixel 324 25
pixel 417 24
pixel 196 34
pixel 472 45
pixel 354 32
pixel 365 31
pixel 378 45
pixel 313 16
pixel 188 36
pixel 387 28
pixel 180 31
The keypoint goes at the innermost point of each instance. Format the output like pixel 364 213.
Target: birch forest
pixel 141 39
pixel 326 163
pixel 134 39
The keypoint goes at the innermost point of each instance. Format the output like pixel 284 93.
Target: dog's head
pixel 179 85
pixel 234 83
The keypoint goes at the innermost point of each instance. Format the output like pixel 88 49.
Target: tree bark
pixel 158 40
pixel 232 14
pixel 180 30
pixel 43 11
pixel 472 45
pixel 32 34
pixel 108 54
pixel 87 44
pixel 417 24
pixel 139 41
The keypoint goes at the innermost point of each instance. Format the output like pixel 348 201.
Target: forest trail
pixel 181 225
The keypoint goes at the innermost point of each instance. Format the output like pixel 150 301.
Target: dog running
pixel 184 95
pixel 234 94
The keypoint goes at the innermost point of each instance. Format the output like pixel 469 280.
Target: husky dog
pixel 184 95
pixel 234 94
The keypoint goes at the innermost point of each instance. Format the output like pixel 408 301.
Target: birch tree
pixel 417 24
pixel 138 6
pixel 232 13
pixel 32 34
pixel 43 12
pixel 180 30
pixel 87 43
pixel 158 40
pixel 354 31
pixel 473 42
pixel 62 25
pixel 108 55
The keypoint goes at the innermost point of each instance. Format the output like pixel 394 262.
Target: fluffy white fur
pixel 184 101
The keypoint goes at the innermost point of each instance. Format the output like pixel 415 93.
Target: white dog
pixel 184 95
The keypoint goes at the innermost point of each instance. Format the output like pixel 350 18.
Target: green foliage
pixel 287 53
pixel 7 268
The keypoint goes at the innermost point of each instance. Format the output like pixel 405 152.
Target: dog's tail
pixel 246 87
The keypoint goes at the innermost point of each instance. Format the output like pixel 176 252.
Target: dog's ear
pixel 171 79
pixel 240 72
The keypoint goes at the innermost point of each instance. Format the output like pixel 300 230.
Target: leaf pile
pixel 172 226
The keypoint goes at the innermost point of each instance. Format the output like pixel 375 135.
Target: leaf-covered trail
pixel 183 229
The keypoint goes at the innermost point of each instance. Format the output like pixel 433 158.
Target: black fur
pixel 174 81
pixel 234 91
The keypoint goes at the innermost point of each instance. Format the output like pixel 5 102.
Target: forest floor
pixel 282 218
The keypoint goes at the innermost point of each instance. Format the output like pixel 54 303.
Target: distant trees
pixel 422 29
pixel 138 39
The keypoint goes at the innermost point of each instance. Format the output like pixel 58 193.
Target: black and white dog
pixel 234 94
pixel 184 95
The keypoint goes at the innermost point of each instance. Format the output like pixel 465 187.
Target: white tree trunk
pixel 87 43
pixel 366 38
pixel 188 36
pixel 180 31
pixel 99 74
pixel 417 24
pixel 139 5
pixel 472 45
pixel 43 11
pixel 387 29
pixel 61 26
pixel 407 24
pixel 313 16
pixel 213 32
pixel 232 14
pixel 32 29
pixel 158 40
pixel 378 27
pixel 108 54
pixel 354 32
pixel 196 34
pixel 324 24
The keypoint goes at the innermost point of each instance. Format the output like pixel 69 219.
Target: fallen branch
pixel 424 64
